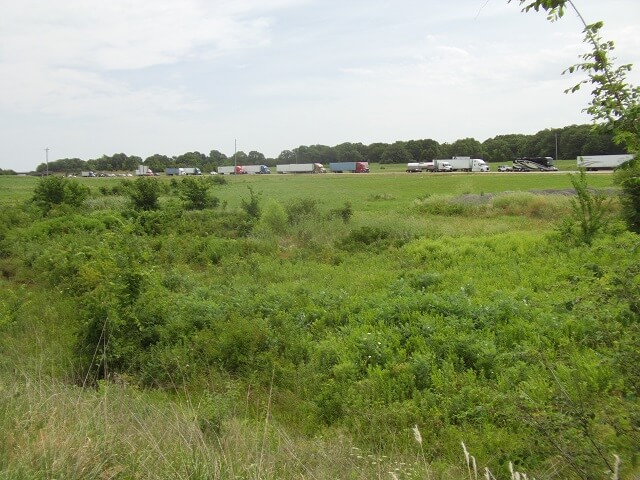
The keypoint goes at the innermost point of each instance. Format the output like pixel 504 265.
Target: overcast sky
pixel 90 78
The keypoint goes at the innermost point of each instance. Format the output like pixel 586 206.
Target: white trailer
pixel 602 162
pixel 232 170
pixel 257 169
pixel 467 164
pixel 435 166
pixel 87 174
pixel 442 166
pixel 301 168
pixel 143 170
pixel 414 167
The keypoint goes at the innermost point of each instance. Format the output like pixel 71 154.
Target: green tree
pixel 63 165
pixel 396 153
pixel 614 100
pixel 191 159
pixel 287 156
pixel 216 158
pixel 352 155
pixel 240 158
pixel 255 158
pixel 467 147
pixel 615 103
pixel 157 162
pixel 375 152
pixel 498 150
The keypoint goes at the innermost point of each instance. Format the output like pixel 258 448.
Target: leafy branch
pixel 615 102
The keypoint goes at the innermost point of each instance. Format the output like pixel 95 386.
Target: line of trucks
pixel 455 164
pixel 335 167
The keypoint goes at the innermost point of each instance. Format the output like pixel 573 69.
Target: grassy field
pixel 395 187
pixel 305 339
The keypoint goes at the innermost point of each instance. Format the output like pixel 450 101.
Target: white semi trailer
pixel 300 168
pixel 468 164
pixel 602 162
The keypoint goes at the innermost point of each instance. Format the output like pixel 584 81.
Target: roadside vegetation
pixel 243 329
pixel 356 326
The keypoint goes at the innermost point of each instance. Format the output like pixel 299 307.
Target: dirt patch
pixel 475 199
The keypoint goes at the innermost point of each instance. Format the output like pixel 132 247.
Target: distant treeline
pixel 567 142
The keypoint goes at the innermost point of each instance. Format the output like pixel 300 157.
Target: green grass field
pixel 306 339
pixel 394 186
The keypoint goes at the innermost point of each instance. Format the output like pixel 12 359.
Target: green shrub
pixel 589 213
pixel 529 205
pixel 219 180
pixel 300 209
pixel 195 193
pixel 367 237
pixel 345 213
pixel 252 206
pixel 274 217
pixel 144 193
pixel 442 205
pixel 54 191
pixel 630 200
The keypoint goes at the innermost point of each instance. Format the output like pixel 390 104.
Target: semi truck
pixel 143 170
pixel 174 171
pixel 192 171
pixel 467 164
pixel 257 169
pixel 602 162
pixel 87 174
pixel 232 170
pixel 301 168
pixel 352 167
pixel 434 166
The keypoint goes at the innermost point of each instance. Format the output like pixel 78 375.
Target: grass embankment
pixel 309 342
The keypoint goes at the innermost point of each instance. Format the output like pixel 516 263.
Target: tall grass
pixel 53 430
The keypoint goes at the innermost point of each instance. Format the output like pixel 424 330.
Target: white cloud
pixel 58 57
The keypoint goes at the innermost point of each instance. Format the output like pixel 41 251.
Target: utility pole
pixel 46 158
pixel 235 148
pixel 556 146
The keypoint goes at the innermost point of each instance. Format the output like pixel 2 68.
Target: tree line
pixel 567 142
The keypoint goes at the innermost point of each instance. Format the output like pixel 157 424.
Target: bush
pixel 274 218
pixel 252 206
pixel 53 190
pixel 145 194
pixel 345 213
pixel 194 192
pixel 630 200
pixel 589 216
pixel 365 237
pixel 301 208
pixel 219 180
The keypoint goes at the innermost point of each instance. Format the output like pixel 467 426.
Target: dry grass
pixel 52 430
